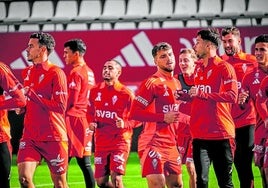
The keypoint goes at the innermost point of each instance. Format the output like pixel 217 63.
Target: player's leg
pixel 5 165
pixel 85 166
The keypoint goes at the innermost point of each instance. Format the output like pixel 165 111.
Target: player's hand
pixel 193 91
pixel 266 123
pixel 92 126
pixel 171 117
pixel 19 111
pixel 25 90
pixel 182 95
pixel 242 97
pixel 119 122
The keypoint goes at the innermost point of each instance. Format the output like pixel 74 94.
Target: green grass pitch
pixel 132 179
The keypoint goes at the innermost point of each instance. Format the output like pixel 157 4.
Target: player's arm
pixel 229 90
pixel 73 90
pixel 261 101
pixel 58 101
pixel 12 86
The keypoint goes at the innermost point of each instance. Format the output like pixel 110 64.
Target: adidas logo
pixel 256 81
pixel 138 53
pixel 135 54
pixel 166 94
pixel 22 62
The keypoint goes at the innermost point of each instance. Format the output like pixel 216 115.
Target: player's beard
pixel 230 51
pixel 32 58
pixel 168 69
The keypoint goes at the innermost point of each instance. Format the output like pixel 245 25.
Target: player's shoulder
pixel 151 81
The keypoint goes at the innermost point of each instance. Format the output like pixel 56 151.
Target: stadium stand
pixel 125 25
pixel 185 8
pixel 38 13
pixel 2 11
pixel 113 9
pixel 137 9
pixel 173 24
pixel 66 10
pixel 76 27
pixel 18 11
pixel 160 8
pixel 89 10
pixel 129 14
pixel 231 7
pixel 208 8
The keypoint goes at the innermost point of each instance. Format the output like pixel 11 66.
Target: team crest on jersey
pixel 244 67
pixel 166 94
pixel 98 98
pixel 209 73
pixel 114 99
pixel 28 74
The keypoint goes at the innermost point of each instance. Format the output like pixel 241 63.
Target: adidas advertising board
pixel 132 48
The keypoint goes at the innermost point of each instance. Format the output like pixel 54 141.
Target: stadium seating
pixel 18 11
pixel 38 13
pixel 29 27
pixel 231 7
pixel 89 10
pixel 129 14
pixel 76 27
pixel 2 11
pixel 185 8
pixel 160 8
pixel 66 10
pixel 173 24
pixel 124 25
pixel 257 7
pixel 208 8
pixel 113 9
pixel 137 9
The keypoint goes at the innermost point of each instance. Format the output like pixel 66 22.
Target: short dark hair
pixel 261 38
pixel 45 39
pixel 76 45
pixel 211 34
pixel 160 46
pixel 230 30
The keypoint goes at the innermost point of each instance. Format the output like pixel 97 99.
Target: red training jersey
pixel 80 81
pixel 47 100
pixel 10 97
pixel 261 105
pixel 106 103
pixel 158 89
pixel 243 64
pixel 211 110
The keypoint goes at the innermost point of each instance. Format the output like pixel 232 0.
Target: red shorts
pixel 185 149
pixel 107 161
pixel 161 161
pixel 261 153
pixel 54 153
pixel 79 136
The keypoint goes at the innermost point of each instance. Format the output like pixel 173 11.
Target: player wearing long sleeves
pixel 254 92
pixel 156 105
pixel 10 97
pixel 108 112
pixel 211 125
pixel 243 63
pixel 80 81
pixel 44 133
pixel 187 64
